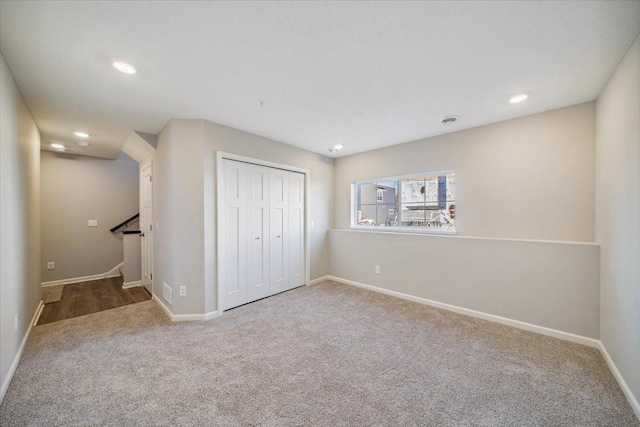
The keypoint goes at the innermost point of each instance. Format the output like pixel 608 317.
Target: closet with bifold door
pixel 263 244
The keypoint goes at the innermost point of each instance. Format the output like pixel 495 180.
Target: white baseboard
pixel 211 315
pixel 135 284
pixel 166 309
pixel 16 360
pixel 623 384
pixel 184 317
pixel 194 317
pixel 114 272
pixel 591 342
pixel 38 313
pixel 72 280
pixel 318 280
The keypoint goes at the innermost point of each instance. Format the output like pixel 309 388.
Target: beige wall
pixel 19 220
pixel 76 189
pixel 184 204
pixel 618 216
pixel 548 284
pixel 530 178
pixel 132 258
pixel 527 178
pixel 178 214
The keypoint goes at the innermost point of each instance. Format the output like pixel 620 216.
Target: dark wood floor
pixel 83 298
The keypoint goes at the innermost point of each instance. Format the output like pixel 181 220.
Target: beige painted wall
pixel 163 206
pixel 618 216
pixel 554 285
pixel 184 204
pixel 76 189
pixel 19 220
pixel 132 258
pixel 527 178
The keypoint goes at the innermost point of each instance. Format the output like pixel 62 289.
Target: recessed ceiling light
pixel 518 98
pixel 335 148
pixel 449 120
pixel 83 143
pixel 80 134
pixel 58 146
pixel 123 67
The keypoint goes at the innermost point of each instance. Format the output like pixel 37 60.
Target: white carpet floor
pixel 327 355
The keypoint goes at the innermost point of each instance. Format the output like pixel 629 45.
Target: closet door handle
pixel 277 237
pixel 257 238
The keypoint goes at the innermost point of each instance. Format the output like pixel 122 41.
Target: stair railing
pixel 125 224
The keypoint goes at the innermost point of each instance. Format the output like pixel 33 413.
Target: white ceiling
pixel 366 75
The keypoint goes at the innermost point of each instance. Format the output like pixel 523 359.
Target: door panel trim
pixel 146 220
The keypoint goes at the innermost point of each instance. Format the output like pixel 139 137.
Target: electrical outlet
pixel 183 291
pixel 157 225
pixel 15 323
pixel 93 223
pixel 377 269
pixel 51 265
pixel 313 224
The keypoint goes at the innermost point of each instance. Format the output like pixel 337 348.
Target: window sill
pixel 390 230
pixel 405 230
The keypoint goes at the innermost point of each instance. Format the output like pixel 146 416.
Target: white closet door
pixel 279 230
pixel 296 230
pixel 257 232
pixel 234 234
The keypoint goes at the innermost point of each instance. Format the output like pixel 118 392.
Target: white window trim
pixel 398 229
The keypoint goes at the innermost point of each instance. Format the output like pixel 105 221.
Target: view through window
pixel 426 201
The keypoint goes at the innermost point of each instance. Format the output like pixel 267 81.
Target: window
pixel 424 202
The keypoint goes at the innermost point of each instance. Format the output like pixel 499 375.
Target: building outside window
pixel 424 203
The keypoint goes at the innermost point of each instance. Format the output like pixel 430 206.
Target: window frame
pixel 353 225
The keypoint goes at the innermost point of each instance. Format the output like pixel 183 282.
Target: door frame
pixel 148 234
pixel 220 155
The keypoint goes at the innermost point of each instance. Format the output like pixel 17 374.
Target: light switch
pixel 93 223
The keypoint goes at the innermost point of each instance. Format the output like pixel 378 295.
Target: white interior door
pixel 257 263
pixel 279 230
pixel 147 228
pixel 234 233
pixel 296 230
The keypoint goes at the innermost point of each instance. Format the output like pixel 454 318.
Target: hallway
pixel 79 299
